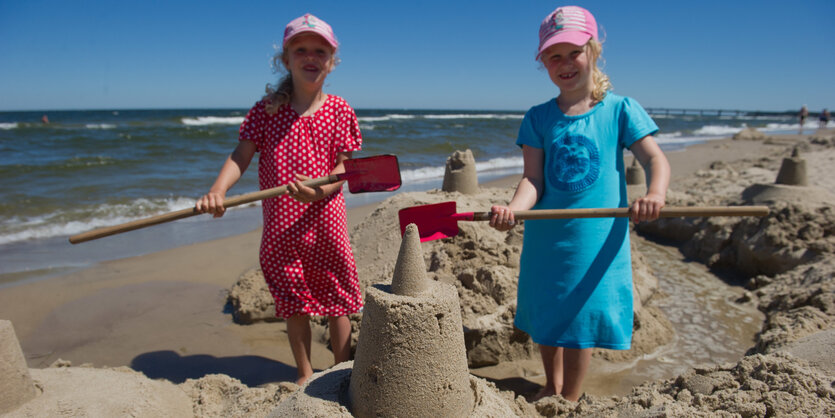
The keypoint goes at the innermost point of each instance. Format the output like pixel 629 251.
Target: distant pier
pixel 696 112
pixel 714 112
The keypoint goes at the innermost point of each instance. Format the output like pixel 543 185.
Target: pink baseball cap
pixel 571 24
pixel 309 23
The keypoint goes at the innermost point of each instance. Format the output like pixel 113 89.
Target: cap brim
pixel 330 41
pixel 574 38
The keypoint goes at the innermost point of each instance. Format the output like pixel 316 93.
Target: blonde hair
pixel 279 94
pixel 601 81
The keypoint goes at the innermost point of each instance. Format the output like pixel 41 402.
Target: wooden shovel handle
pixel 185 213
pixel 667 212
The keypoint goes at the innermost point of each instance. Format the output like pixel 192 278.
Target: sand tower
pixel 793 170
pixel 460 174
pixel 16 387
pixel 635 173
pixel 791 186
pixel 411 359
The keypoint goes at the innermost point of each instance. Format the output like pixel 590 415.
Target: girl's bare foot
pixel 301 379
pixel 543 393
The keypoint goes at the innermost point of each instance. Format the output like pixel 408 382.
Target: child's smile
pixel 568 66
pixel 310 58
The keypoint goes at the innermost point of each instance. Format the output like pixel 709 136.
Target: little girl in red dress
pixel 301 133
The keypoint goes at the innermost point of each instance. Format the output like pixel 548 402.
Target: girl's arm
pixel 305 194
pixel 230 173
pixel 528 191
pixel 649 154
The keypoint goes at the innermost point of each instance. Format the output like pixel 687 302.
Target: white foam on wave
pixel 372 119
pixel 213 120
pixel 8 126
pixel 717 130
pixel 99 126
pixel 501 116
pixel 429 173
pixel 55 224
pixel 451 116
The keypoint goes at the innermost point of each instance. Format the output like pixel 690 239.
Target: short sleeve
pixel 528 134
pixel 252 128
pixel 348 137
pixel 635 122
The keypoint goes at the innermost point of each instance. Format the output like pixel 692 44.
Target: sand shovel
pixel 370 174
pixel 439 220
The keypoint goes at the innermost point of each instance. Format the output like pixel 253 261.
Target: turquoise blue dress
pixel 575 279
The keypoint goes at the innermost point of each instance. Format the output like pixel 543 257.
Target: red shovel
pixel 380 173
pixel 439 220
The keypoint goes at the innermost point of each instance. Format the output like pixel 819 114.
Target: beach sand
pixel 165 314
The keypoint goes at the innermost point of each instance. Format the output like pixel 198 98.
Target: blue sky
pixel 764 55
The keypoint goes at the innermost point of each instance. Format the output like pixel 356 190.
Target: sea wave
pixel 8 126
pixel 429 173
pixel 213 120
pixel 476 116
pixel 450 116
pixel 717 130
pixel 371 119
pixel 99 126
pixel 63 223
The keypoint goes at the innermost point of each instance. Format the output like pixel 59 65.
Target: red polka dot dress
pixel 305 253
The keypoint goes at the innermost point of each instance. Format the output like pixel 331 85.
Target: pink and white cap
pixel 309 23
pixel 571 24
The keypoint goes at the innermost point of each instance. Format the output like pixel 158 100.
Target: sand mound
pixel 219 395
pixel 796 231
pixel 797 304
pixel 757 386
pixel 750 134
pixel 81 391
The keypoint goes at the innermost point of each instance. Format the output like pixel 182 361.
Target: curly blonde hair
pixel 601 81
pixel 279 94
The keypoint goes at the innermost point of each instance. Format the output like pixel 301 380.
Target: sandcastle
pixel 635 173
pixel 460 173
pixel 16 384
pixel 411 358
pixel 791 186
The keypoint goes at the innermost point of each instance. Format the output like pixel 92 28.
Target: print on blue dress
pixel 574 163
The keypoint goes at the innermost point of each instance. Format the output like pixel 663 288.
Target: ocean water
pixel 89 169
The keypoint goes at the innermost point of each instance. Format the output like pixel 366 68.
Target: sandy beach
pixel 167 314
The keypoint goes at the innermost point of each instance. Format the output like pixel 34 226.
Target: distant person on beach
pixel 575 276
pixel 803 114
pixel 44 119
pixel 823 119
pixel 301 133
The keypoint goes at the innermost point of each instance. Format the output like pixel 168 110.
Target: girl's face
pixel 569 67
pixel 309 58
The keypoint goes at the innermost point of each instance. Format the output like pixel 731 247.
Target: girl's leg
pixel 340 332
pixel 575 365
pixel 565 369
pixel 298 331
pixel 552 363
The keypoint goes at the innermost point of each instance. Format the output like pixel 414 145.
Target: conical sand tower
pixel 411 359
pixel 460 173
pixel 16 386
pixel 635 173
pixel 791 186
pixel 793 170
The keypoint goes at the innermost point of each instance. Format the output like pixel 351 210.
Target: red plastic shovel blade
pixel 434 221
pixel 380 173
